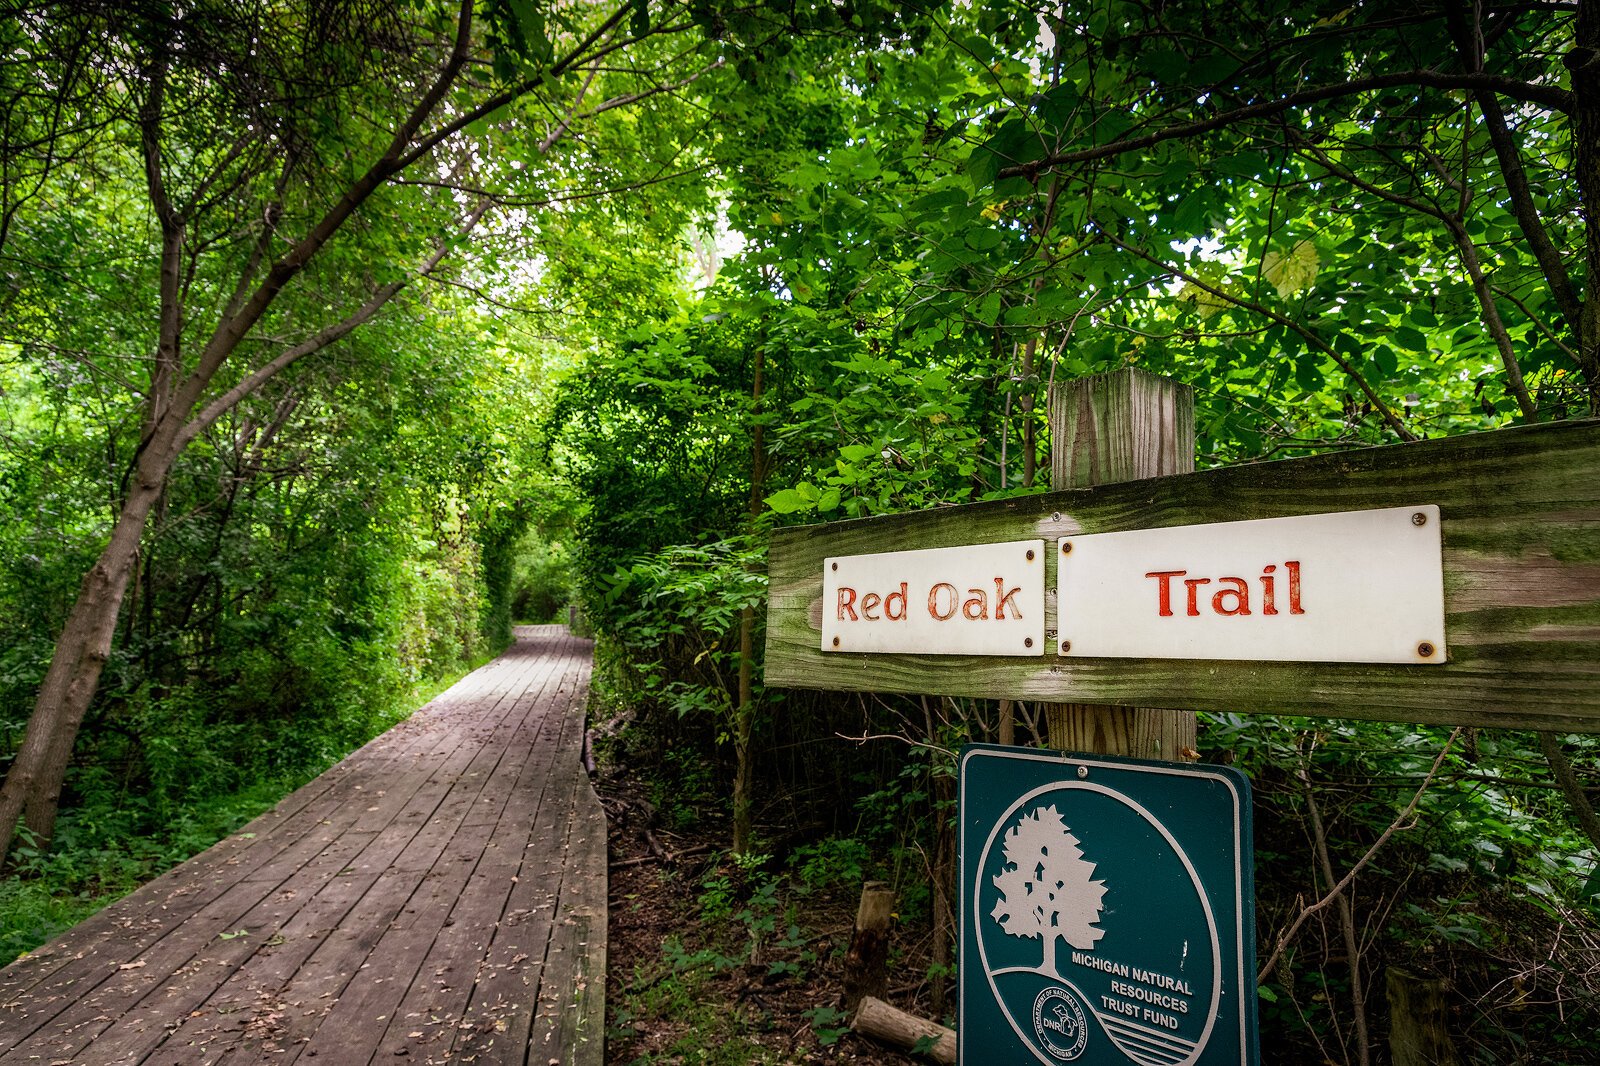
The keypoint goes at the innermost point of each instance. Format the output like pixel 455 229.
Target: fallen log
pixel 890 1025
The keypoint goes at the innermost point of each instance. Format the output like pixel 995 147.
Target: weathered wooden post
pixel 1123 426
pixel 1418 1032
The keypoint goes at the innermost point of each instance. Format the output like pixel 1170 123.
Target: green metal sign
pixel 1107 911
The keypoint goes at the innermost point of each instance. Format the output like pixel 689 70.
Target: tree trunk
pixel 743 774
pixel 1584 63
pixel 744 713
pixel 32 788
pixel 944 878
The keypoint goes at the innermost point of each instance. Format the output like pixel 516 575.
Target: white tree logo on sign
pixel 1046 888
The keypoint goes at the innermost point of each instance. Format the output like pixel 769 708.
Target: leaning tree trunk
pixel 32 787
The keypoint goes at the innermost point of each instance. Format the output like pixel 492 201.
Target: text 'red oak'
pixel 943 602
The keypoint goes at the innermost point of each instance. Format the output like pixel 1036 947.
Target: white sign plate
pixel 978 599
pixel 1353 587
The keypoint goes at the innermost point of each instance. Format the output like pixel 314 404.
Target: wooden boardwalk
pixel 439 896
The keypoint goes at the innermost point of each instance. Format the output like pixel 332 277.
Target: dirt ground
pixel 709 963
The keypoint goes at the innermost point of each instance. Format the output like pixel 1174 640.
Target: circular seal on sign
pixel 1059 1023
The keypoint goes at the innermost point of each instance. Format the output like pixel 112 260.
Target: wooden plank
pixel 1521 529
pixel 125 929
pixel 331 990
pixel 487 912
pixel 320 903
pixel 582 935
pixel 504 1000
pixel 363 1016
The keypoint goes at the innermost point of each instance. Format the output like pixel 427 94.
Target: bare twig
pixel 1399 823
pixel 1347 922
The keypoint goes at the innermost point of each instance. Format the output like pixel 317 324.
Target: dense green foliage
pixel 1311 214
pixel 722 267
pixel 308 577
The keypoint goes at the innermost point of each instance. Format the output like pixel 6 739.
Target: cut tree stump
pixel 866 970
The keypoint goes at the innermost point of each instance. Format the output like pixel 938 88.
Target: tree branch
pixel 575 56
pixel 170 322
pixel 322 339
pixel 1395 826
pixel 232 329
pixel 1306 333
pixel 1550 97
pixel 1516 178
pixel 633 98
pixel 1468 250
pixel 1571 787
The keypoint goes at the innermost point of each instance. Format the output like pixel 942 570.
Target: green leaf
pixel 788 501
pixel 1292 271
pixel 1386 360
pixel 1411 339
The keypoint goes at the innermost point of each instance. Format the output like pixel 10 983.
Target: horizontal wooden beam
pixel 1521 532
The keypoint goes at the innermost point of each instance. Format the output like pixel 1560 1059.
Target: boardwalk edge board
pixel 1519 522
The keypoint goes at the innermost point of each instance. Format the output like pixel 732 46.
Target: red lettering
pixel 1193 585
pixel 977 606
pixel 1294 587
pixel 1269 600
pixel 869 603
pixel 847 602
pixel 888 604
pixel 1001 598
pixel 933 601
pixel 1240 593
pixel 1164 589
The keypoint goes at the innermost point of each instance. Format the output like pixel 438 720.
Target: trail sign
pixel 1519 528
pixel 1107 911
pixel 1352 586
pixel 981 599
